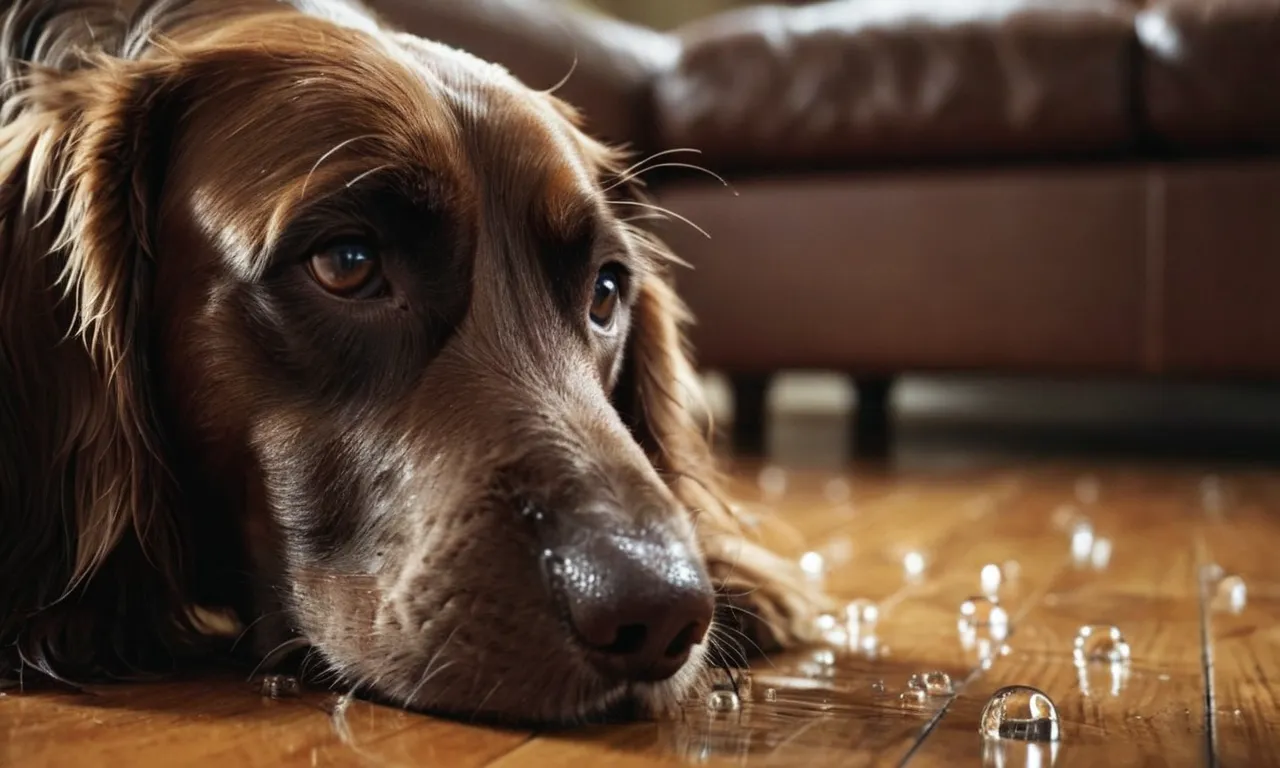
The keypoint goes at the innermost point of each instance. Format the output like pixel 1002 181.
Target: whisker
pixel 292 644
pixel 665 211
pixel 253 624
pixel 427 672
pixel 486 698
pixel 723 591
pixel 572 68
pixel 370 172
pixel 624 179
pixel 336 148
pixel 643 217
pixel 635 166
pixel 728 653
pixel 772 627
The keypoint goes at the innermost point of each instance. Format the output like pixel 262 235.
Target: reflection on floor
pixel 1106 575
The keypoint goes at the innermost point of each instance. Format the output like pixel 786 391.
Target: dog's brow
pixel 566 203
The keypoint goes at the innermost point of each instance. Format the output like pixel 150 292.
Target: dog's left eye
pixel 348 268
pixel 604 300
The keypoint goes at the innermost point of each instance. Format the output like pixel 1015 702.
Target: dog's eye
pixel 604 300
pixel 347 268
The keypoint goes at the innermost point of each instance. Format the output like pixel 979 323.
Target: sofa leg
pixel 872 421
pixel 750 392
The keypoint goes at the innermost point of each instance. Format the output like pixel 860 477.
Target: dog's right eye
pixel 348 268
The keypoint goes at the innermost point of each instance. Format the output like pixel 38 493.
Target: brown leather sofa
pixel 1017 186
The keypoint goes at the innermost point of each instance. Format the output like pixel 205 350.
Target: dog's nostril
pixel 682 642
pixel 630 639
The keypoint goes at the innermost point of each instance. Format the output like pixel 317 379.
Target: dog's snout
pixel 638 606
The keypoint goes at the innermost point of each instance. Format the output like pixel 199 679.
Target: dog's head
pixel 368 312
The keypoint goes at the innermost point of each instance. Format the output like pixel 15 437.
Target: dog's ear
pixel 659 397
pixel 86 550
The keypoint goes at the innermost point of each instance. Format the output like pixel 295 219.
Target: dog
pixel 325 335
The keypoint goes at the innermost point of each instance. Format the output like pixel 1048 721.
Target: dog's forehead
pixel 517 137
pixel 317 121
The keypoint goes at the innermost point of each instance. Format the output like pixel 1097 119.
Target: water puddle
pixel 810 705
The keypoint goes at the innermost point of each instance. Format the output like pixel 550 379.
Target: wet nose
pixel 638 605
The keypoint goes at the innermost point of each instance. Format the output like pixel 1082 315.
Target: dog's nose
pixel 639 606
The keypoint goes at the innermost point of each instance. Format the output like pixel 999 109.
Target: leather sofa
pixel 1082 187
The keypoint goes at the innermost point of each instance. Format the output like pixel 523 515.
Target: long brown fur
pixel 131 497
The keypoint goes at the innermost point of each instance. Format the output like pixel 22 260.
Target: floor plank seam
pixel 514 747
pixel 1206 661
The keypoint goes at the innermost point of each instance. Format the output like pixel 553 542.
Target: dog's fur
pixel 189 424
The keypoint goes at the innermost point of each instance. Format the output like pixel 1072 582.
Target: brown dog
pixel 345 332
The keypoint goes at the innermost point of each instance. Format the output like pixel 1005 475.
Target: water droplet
pixel 1098 642
pixel 836 490
pixel 826 622
pixel 770 694
pixel 1088 489
pixel 1231 594
pixel 1003 753
pixel 870 646
pixel 1081 541
pixel 912 697
pixel 821 665
pixel 913 564
pixel 1020 712
pixel 812 564
pixel 861 615
pixel 723 700
pixel 932 683
pixel 991 578
pixel 1097 679
pixel 878 686
pixel 279 686
pixel 1163 678
pixel 938 684
pixel 983 613
pixel 837 637
pixel 772 482
pixel 1101 554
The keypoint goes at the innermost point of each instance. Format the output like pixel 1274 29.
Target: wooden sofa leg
pixel 872 421
pixel 750 392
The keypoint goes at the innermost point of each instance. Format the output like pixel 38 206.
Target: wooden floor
pixel 1150 549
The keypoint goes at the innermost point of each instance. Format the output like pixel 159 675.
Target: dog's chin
pixel 566 707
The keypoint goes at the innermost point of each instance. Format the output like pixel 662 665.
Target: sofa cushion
pixel 603 66
pixel 857 81
pixel 1211 73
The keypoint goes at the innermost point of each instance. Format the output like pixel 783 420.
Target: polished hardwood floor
pixel 1182 557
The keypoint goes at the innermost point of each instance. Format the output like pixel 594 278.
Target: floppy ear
pixel 88 554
